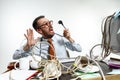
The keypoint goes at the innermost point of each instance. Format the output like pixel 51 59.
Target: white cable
pixel 102 74
pixel 47 63
pixel 57 65
pixel 79 66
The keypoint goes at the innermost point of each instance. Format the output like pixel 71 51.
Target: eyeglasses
pixel 46 24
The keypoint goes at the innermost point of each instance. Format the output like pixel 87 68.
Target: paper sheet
pixel 114 71
pixel 17 74
pixel 88 75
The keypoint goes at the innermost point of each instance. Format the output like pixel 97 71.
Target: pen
pixel 33 75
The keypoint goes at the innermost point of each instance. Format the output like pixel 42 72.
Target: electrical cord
pixel 106 42
pixel 101 72
pixel 106 39
pixel 53 67
pixel 58 65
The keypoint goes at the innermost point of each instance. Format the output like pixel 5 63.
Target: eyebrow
pixel 45 22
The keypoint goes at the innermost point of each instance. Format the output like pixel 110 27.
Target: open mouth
pixel 51 30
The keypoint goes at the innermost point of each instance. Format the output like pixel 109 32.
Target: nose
pixel 50 25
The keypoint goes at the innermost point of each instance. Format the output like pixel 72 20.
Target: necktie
pixel 51 49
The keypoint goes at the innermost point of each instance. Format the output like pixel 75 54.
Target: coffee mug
pixel 24 64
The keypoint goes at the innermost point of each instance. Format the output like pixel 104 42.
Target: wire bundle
pixel 53 68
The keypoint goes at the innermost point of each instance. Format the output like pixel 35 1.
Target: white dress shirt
pixel 60 44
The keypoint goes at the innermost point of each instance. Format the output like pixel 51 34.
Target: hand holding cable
pixel 67 35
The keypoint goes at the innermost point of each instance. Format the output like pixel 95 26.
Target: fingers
pixel 30 32
pixel 66 33
pixel 30 39
pixel 29 36
pixel 26 36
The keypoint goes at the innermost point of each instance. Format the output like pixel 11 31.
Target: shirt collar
pixel 53 38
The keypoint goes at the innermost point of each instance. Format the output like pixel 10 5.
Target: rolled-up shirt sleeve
pixel 19 53
pixel 72 46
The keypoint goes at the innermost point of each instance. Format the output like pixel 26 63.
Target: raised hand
pixel 30 39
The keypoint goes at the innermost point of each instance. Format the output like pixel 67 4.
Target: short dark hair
pixel 35 25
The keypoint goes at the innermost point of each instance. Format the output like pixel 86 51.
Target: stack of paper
pixel 114 61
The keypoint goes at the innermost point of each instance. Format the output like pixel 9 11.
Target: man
pixel 44 27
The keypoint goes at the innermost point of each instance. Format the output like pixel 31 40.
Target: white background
pixel 82 17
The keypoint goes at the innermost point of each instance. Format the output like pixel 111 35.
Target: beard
pixel 50 36
pixel 46 36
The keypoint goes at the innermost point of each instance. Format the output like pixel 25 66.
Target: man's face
pixel 45 28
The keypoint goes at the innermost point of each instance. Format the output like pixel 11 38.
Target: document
pixel 114 71
pixel 17 74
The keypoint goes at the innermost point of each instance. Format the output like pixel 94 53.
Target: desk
pixel 21 76
pixel 108 77
pixel 67 77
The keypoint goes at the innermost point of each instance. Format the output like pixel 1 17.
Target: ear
pixel 39 31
